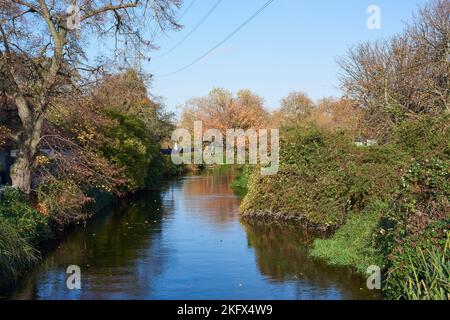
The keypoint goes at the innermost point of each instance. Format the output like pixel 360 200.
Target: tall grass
pixel 429 279
pixel 16 254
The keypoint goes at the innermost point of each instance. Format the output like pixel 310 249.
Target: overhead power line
pixel 193 30
pixel 228 37
pixel 187 9
pixel 157 32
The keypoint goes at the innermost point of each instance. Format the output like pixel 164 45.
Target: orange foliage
pixel 220 110
pixel 326 113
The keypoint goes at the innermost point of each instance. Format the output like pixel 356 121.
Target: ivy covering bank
pixel 390 203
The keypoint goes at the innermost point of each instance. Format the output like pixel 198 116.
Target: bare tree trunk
pixel 21 171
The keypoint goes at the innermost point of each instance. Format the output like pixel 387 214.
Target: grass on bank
pixel 352 244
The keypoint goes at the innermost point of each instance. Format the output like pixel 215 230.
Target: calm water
pixel 187 242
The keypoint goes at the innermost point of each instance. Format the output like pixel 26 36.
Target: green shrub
pixel 353 243
pixel 15 210
pixel 424 199
pixel 425 137
pixel 130 148
pixel 324 177
pixel 137 152
pixel 240 182
pixel 159 168
pixel 414 229
pixel 392 200
pixel 16 254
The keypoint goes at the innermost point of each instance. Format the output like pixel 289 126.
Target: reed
pixel 429 279
pixel 16 254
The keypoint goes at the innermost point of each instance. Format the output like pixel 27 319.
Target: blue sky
pixel 292 45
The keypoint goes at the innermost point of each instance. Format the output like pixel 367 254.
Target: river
pixel 186 241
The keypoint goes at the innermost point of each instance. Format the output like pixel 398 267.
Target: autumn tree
pixel 213 110
pixel 338 114
pixel 295 107
pixel 127 93
pixel 326 113
pixel 249 111
pixel 221 110
pixel 43 51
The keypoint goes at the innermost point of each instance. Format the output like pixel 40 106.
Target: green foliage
pixel 425 137
pixel 161 167
pixel 240 182
pixel 135 149
pixel 414 231
pixel 130 148
pixel 21 227
pixel 16 254
pixel 422 200
pixel 353 243
pixel 324 177
pixel 429 279
pixel 391 201
pixel 15 210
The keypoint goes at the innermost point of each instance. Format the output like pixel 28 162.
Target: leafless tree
pixel 405 76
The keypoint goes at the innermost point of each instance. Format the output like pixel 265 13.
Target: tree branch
pixel 110 8
pixel 26 4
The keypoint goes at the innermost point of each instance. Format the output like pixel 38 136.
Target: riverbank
pixel 383 201
pixel 27 234
pixel 293 218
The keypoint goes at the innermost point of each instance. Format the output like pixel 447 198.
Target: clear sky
pixel 292 45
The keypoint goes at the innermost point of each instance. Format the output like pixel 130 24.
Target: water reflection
pixel 211 196
pixel 111 251
pixel 282 255
pixel 186 241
